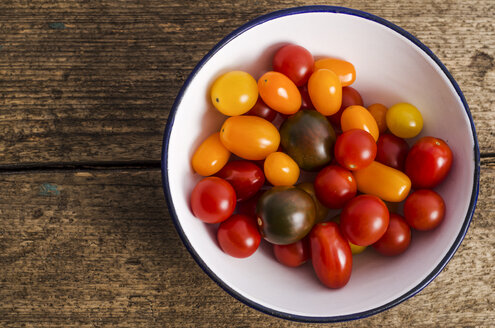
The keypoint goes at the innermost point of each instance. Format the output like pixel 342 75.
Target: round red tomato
pixel 248 206
pixel 330 254
pixel 391 151
pixel 424 209
pixel 213 200
pixel 262 110
pixel 428 162
pixel 295 62
pixel 238 236
pixel 355 149
pixel 396 239
pixel 305 100
pixel 246 178
pixel 364 220
pixel 334 186
pixel 350 97
pixel 293 255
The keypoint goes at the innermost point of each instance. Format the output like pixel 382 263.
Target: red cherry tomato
pixel 305 99
pixel 396 239
pixel 295 62
pixel 238 236
pixel 293 255
pixel 391 151
pixel 364 220
pixel 334 186
pixel 331 255
pixel 428 162
pixel 424 209
pixel 213 200
pixel 248 206
pixel 355 149
pixel 262 110
pixel 350 97
pixel 246 178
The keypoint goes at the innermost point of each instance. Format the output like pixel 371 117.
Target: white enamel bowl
pixel 392 66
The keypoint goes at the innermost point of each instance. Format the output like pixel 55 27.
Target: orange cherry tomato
pixel 379 113
pixel 358 117
pixel 279 93
pixel 344 70
pixel 210 156
pixel 325 91
pixel 387 183
pixel 249 137
pixel 281 170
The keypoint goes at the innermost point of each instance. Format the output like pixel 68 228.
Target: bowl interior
pixel 390 69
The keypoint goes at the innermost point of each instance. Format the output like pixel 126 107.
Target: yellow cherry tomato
pixel 234 93
pixel 249 137
pixel 210 156
pixel 404 120
pixel 358 117
pixel 325 91
pixel 356 249
pixel 279 93
pixel 281 170
pixel 387 183
pixel 379 112
pixel 344 70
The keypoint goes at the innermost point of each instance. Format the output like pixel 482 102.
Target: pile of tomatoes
pixel 303 122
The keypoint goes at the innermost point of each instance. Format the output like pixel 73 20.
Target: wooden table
pixel 85 90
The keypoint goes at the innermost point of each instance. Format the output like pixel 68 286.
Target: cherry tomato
pixel 246 178
pixel 249 137
pixel 396 239
pixel 210 156
pixel 293 255
pixel 305 99
pixel 248 206
pixel 325 91
pixel 350 97
pixel 234 93
pixel 279 92
pixel 379 113
pixel 380 180
pixel 238 236
pixel 295 62
pixel 260 109
pixel 334 186
pixel 330 254
pixel 358 117
pixel 404 120
pixel 392 151
pixel 344 70
pixel 213 200
pixel 281 170
pixel 355 149
pixel 364 220
pixel 428 162
pixel 424 209
pixel 285 214
pixel 355 249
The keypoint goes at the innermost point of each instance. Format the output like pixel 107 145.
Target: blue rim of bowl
pixel 207 270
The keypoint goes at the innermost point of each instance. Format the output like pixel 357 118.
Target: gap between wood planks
pixel 148 165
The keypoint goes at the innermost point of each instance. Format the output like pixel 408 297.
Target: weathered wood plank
pixel 98 249
pixel 94 81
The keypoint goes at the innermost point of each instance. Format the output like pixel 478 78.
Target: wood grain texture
pixel 94 80
pixel 91 83
pixel 98 249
